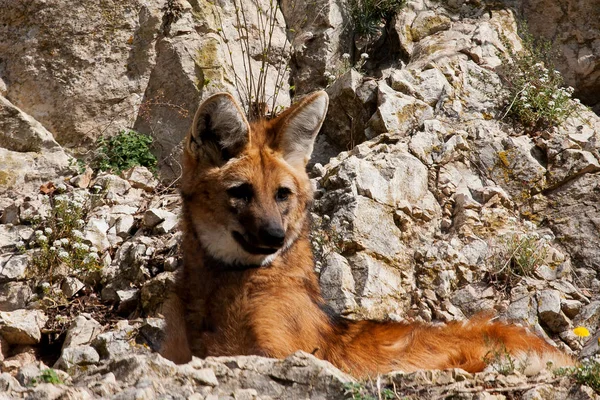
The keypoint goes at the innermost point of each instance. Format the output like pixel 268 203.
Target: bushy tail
pixel 472 345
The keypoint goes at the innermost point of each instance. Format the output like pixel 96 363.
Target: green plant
pixel 500 360
pixel 537 97
pixel 514 257
pixel 360 391
pixel 60 241
pixel 126 149
pixel 48 376
pixel 370 15
pixel 586 373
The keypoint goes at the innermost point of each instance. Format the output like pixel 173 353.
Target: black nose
pixel 272 235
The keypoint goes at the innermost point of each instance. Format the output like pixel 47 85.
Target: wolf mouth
pixel 250 248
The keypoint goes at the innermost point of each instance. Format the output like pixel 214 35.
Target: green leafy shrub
pixel 537 97
pixel 369 15
pixel 125 150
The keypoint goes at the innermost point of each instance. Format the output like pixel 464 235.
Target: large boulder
pixel 30 155
pixel 79 69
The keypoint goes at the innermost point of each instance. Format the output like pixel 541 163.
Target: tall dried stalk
pixel 253 89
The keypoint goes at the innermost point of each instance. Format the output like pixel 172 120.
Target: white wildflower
pixel 526 105
pixel 94 256
pixel 53 249
pixel 61 187
pixel 64 241
pixel 48 231
pixel 345 56
pixel 364 56
pixel 77 234
pixel 63 255
pixel 327 74
pixel 42 239
pixel 577 101
pixel 38 233
pixel 547 237
pixel 20 243
pixel 80 223
pixel 85 247
pixel 551 103
pixel 57 243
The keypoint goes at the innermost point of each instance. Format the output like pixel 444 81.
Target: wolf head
pixel 245 187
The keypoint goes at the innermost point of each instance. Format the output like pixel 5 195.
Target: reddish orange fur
pixel 278 309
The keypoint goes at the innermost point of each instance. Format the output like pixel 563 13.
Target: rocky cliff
pixel 434 202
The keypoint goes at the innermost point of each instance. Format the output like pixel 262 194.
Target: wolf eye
pixel 282 194
pixel 241 192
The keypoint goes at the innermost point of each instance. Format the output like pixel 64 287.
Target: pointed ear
pixel 219 131
pixel 299 127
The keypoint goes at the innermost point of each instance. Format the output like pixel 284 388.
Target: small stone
pixel 22 326
pixel 155 216
pixel 570 307
pixel 95 233
pixel 115 343
pixel 70 286
pixel 549 310
pixel 82 180
pixel 82 331
pixel 152 332
pixel 10 214
pixel 28 373
pixel 15 363
pixel 78 355
pixel 33 210
pixel 204 376
pixel 112 184
pixel 13 266
pixel 140 178
pixel 128 300
pixel 124 225
pixel 14 295
pixel 9 383
pixel 167 225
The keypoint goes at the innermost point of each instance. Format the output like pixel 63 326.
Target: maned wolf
pixel 248 286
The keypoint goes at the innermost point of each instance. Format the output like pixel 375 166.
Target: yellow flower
pixel 581 331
